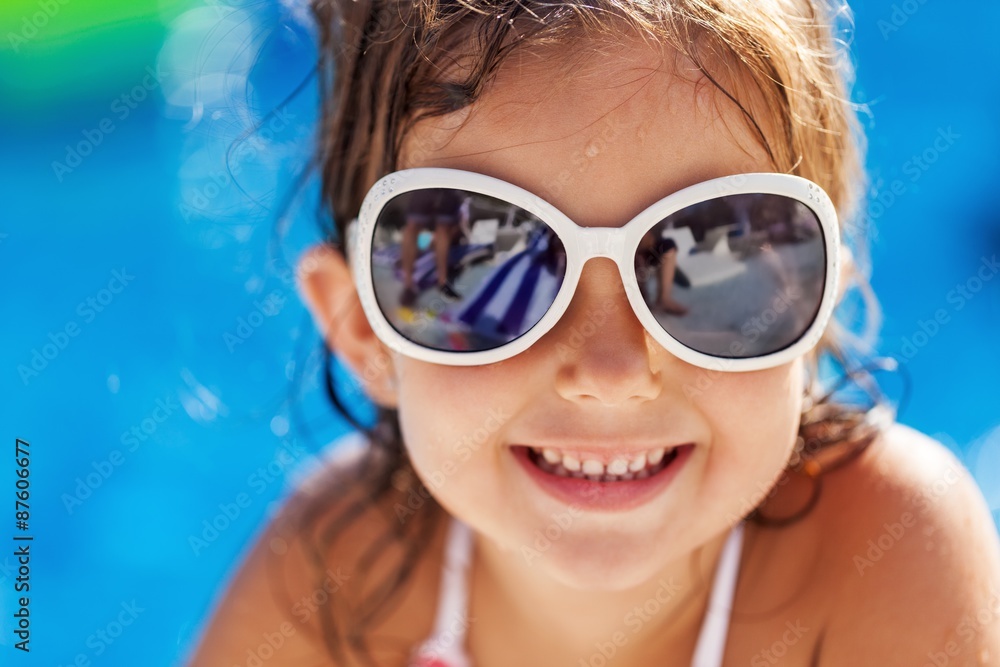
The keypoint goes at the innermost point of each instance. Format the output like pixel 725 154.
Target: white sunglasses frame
pixel 583 243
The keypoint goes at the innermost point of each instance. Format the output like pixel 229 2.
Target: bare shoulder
pixel 306 563
pixel 918 558
pixel 267 608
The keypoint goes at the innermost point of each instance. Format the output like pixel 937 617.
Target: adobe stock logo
pixel 120 108
pixel 957 297
pixel 246 326
pixel 32 25
pixel 901 13
pixel 87 310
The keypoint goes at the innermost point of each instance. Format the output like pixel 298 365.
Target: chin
pixel 598 563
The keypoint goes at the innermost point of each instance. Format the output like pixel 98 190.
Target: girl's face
pixel 601 139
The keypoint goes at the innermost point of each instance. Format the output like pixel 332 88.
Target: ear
pixel 327 287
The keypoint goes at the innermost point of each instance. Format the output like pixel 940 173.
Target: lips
pixel 599 485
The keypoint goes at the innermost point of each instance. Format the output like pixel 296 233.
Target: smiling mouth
pixel 618 470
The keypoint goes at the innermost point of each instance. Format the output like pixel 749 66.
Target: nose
pixel 604 351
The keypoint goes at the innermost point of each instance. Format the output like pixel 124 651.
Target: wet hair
pixel 386 64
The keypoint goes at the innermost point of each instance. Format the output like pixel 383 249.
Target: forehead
pixel 601 132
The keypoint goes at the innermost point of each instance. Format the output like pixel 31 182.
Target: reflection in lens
pixel 463 271
pixel 736 276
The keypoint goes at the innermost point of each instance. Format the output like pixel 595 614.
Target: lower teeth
pixel 561 471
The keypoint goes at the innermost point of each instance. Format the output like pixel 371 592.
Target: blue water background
pixel 156 355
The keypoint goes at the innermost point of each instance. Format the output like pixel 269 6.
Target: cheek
pixel 452 419
pixel 754 419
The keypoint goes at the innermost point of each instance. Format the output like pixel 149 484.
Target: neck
pixel 660 616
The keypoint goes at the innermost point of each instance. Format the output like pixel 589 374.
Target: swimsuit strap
pixel 711 644
pixel 446 645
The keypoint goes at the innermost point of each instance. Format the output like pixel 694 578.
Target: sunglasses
pixel 736 273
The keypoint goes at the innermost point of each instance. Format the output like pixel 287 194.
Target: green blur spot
pixel 58 52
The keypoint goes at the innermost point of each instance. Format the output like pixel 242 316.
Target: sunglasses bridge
pixel 602 241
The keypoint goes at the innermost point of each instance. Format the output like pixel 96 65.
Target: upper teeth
pixel 591 467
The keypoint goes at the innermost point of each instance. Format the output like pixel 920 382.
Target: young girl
pixel 562 472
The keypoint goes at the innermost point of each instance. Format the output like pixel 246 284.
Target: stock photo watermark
pixel 87 311
pixel 634 620
pixel 553 531
pixel 104 637
pixel 764 492
pixel 35 23
pixel 893 532
pixel 197 200
pixel 898 16
pixel 463 449
pixel 271 642
pixel 581 160
pixel 427 655
pixel 119 110
pixel 269 306
pixel 245 327
pixel 773 654
pixel 968 628
pixel 131 439
pixel 752 329
pixel 257 482
pixel 885 196
pixel 578 335
pixel 21 543
pixel 957 298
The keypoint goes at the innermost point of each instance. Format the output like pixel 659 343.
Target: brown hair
pixel 385 64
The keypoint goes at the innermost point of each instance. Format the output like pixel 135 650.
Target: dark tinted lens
pixel 462 271
pixel 736 276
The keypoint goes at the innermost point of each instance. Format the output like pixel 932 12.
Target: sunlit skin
pixel 602 136
pixel 632 130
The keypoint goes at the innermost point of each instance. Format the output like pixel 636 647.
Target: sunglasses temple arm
pixel 350 240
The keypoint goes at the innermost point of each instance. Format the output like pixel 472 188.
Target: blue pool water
pixel 139 273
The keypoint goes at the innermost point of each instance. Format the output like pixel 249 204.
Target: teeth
pixel 618 467
pixel 622 468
